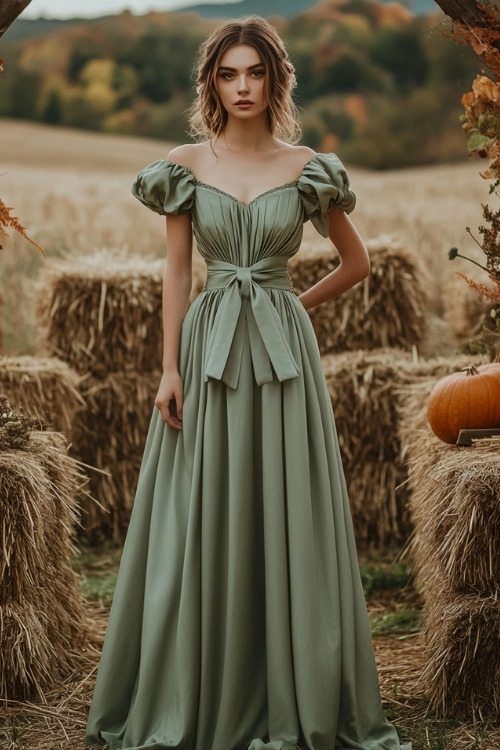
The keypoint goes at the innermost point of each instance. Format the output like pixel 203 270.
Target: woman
pixel 238 619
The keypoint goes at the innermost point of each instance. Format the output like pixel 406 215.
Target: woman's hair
pixel 207 116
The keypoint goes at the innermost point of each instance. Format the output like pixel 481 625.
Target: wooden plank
pixel 466 437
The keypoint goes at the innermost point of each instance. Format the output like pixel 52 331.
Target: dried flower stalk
pixel 6 220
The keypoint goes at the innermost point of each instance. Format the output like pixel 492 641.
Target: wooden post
pixel 9 11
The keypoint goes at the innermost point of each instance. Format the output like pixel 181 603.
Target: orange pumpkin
pixel 469 399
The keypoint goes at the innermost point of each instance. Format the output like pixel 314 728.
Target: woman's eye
pixel 258 73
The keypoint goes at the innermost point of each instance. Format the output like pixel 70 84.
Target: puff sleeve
pixel 323 184
pixel 165 187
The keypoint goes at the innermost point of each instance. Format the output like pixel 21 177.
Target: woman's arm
pixel 354 261
pixel 177 281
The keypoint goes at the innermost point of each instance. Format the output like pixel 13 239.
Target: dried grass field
pixel 71 190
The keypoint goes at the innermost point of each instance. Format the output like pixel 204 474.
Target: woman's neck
pixel 246 136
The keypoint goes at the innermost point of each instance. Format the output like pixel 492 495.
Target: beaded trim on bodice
pixel 291 184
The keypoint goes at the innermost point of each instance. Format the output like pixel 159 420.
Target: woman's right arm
pixel 177 281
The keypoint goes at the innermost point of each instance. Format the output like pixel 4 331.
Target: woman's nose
pixel 243 85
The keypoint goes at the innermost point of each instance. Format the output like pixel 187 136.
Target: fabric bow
pixel 246 308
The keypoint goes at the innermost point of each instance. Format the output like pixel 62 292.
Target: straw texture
pixel 455 510
pixel 45 386
pixel 386 310
pixel 102 313
pixel 43 625
pixel 110 436
pixel 366 389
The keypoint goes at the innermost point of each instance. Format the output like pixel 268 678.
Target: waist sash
pixel 245 309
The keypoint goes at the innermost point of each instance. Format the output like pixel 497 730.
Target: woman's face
pixel 241 82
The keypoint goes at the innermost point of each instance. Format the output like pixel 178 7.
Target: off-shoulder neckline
pixel 284 186
pixel 276 189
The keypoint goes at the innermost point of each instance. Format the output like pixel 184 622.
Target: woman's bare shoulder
pixel 300 154
pixel 187 155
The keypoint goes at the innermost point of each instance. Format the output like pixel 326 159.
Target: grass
pixel 394 606
pixel 98 568
pixel 401 621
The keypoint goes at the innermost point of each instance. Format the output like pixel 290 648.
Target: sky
pixel 92 8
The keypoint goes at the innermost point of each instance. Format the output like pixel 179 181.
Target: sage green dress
pixel 238 619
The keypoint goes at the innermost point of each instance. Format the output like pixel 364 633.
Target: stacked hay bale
pixel 456 514
pixel 45 386
pixel 362 390
pixel 386 310
pixel 43 626
pixel 366 388
pixel 102 315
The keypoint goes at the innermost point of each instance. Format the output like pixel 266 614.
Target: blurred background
pixel 378 82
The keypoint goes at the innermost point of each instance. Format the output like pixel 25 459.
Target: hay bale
pixel 386 310
pixel 420 452
pixel 45 386
pixel 102 313
pixel 110 436
pixel 461 674
pixel 43 626
pixel 456 511
pixel 361 387
pixel 456 514
pixel 366 390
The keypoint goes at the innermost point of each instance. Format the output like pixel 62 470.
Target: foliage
pixel 482 105
pixel 481 122
pixel 401 53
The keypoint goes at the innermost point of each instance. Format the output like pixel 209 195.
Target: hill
pixel 25 28
pixel 287 8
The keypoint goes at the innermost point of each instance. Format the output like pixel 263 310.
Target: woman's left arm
pixel 354 263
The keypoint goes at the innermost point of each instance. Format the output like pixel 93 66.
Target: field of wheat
pixel 71 190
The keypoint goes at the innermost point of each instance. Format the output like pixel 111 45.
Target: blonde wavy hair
pixel 207 116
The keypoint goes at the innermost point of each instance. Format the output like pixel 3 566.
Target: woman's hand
pixel 169 399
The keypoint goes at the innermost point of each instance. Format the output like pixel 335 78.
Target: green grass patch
pixel 98 568
pixel 385 576
pixel 402 621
